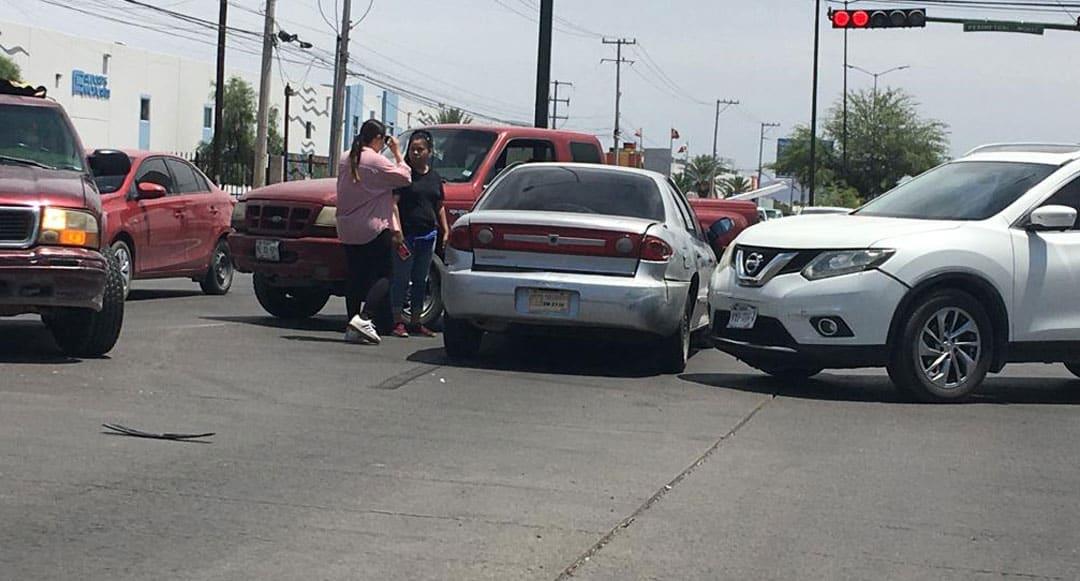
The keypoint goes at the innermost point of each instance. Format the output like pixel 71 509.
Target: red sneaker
pixel 424 331
pixel 400 331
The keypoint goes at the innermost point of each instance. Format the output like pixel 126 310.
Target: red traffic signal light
pixel 887 18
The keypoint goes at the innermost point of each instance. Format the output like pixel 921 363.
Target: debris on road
pixel 126 431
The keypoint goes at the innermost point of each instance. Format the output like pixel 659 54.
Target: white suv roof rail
pixel 1026 148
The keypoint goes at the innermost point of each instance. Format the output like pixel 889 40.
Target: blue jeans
pixel 415 271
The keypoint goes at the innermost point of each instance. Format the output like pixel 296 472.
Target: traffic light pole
pixel 844 138
pixel 543 64
pixel 813 105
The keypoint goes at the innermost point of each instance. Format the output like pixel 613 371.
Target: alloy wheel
pixel 948 348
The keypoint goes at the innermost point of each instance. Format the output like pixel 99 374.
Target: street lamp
pixel 881 74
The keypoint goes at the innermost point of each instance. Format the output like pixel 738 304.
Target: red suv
pixel 53 261
pixel 167 220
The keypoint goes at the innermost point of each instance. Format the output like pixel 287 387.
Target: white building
pixel 124 97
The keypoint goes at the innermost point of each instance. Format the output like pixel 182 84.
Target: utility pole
pixel 264 96
pixel 219 94
pixel 555 104
pixel 619 60
pixel 341 68
pixel 761 150
pixel 715 135
pixel 543 64
pixel 285 155
pixel 813 99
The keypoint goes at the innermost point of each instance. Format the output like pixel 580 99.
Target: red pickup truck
pixel 285 233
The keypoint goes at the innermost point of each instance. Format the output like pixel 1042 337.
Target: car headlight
pixel 841 262
pixel 726 257
pixel 327 217
pixel 63 227
pixel 239 216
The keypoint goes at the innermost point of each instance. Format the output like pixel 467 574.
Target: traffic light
pixel 886 18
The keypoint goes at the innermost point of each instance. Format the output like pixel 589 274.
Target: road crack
pixel 625 523
pixel 403 378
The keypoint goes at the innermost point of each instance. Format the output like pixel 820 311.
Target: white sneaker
pixel 364 328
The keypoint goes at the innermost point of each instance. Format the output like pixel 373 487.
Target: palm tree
pixel 701 171
pixel 451 116
pixel 735 185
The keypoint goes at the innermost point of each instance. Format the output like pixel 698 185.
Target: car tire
pixel 945 348
pixel 219 275
pixel 89 333
pixel 674 349
pixel 289 303
pixel 461 339
pixel 791 372
pixel 432 315
pixel 125 258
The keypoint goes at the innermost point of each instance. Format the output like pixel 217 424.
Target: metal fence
pixel 238 176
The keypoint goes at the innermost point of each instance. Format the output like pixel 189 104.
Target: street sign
pixel 987 26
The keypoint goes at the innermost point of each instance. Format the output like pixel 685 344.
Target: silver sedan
pixel 559 246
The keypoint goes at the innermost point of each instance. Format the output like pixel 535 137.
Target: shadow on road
pixel 554 356
pixel 29 341
pixel 158 294
pixel 322 324
pixel 875 389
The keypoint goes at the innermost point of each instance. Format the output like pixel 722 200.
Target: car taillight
pixel 461 238
pixel 655 249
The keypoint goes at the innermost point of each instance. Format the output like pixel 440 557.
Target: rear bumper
pixel 46 277
pixel 500 300
pixel 304 261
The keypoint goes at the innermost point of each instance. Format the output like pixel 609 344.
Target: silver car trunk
pixel 556 242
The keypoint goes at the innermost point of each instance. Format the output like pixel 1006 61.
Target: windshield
pixel 458 152
pixel 576 189
pixel 37 136
pixel 966 190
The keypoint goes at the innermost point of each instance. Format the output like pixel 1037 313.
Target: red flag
pixel 637 133
pixel 682 149
pixel 674 134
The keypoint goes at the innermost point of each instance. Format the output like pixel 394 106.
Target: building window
pixel 307 130
pixel 208 117
pixel 356 124
pixel 144 109
pixel 105 64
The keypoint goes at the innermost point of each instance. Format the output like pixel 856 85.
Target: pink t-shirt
pixel 366 207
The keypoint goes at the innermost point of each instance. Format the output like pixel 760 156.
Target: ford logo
pixel 277 219
pixel 754 262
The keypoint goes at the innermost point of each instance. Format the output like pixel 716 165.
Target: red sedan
pixel 166 219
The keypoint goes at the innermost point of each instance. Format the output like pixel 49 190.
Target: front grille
pixel 756 259
pixel 16 225
pixel 278 219
pixel 767 331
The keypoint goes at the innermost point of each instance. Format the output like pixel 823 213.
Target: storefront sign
pixel 87 85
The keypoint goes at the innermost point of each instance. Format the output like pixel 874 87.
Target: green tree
pixel 887 139
pixel 238 134
pixel 9 71
pixel 735 185
pixel 839 195
pixel 684 181
pixel 450 116
pixel 700 175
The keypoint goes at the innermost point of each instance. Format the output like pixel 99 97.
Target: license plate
pixel 742 317
pixel 268 250
pixel 541 301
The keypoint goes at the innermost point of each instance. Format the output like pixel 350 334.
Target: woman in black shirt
pixel 423 220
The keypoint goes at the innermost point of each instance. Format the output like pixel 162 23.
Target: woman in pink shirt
pixel 368 225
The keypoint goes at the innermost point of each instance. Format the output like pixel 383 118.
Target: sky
pixel 481 54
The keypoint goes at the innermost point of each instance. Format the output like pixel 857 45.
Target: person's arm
pixel 399 173
pixel 444 224
pixel 395 227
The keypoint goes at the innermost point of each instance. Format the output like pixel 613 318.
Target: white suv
pixel 945 278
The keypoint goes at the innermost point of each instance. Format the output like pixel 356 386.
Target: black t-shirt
pixel 419 203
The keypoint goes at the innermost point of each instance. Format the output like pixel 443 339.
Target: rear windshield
pixel 965 190
pixel 578 190
pixel 37 136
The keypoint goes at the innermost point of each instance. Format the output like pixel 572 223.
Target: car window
pixel 689 218
pixel 458 152
pixel 153 170
pixel 1068 196
pixel 186 181
pixel 579 189
pixel 523 151
pixel 585 153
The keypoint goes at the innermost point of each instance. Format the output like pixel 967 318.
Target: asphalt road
pixel 543 460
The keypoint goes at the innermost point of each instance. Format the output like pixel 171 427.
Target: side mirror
pixel 1052 218
pixel 151 191
pixel 109 162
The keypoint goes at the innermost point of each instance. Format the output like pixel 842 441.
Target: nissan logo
pixel 754 262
